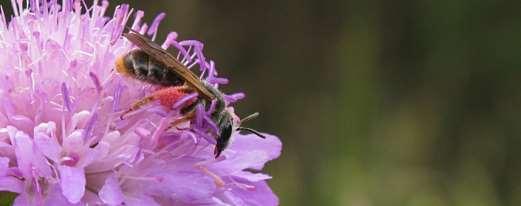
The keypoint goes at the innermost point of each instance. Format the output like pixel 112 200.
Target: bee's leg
pixel 166 96
pixel 188 112
pixel 136 105
pixel 185 88
pixel 186 117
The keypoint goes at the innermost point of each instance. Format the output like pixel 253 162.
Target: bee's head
pixel 226 127
pixel 225 133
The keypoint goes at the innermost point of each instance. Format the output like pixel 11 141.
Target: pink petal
pixel 259 195
pixel 89 156
pixel 112 137
pixel 91 198
pixel 72 183
pixel 111 192
pixel 24 151
pixel 22 200
pixel 271 147
pixel 55 197
pixel 46 128
pixel 253 159
pixel 74 142
pixel 21 121
pixel 28 157
pixel 4 165
pixel 123 155
pixel 45 140
pixel 248 152
pixel 79 119
pixel 11 184
pixel 141 200
pixel 49 146
pixel 252 177
pixel 186 186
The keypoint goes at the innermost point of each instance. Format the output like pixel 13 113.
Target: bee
pixel 154 65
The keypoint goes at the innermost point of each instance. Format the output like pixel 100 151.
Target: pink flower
pixel 62 141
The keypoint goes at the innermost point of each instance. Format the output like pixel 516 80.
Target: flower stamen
pixel 142 178
pixel 66 97
pixel 217 180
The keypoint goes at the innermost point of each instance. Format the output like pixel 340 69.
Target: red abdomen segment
pixel 169 96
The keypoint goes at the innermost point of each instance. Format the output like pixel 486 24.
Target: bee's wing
pixel 170 61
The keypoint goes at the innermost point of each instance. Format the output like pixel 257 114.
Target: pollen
pixel 169 96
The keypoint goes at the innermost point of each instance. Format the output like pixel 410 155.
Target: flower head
pixel 62 141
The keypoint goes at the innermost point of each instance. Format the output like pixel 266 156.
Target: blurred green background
pixel 377 102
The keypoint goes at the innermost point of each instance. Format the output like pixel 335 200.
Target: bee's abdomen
pixel 145 68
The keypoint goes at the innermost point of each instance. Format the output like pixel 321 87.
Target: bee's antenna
pixel 252 131
pixel 250 117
